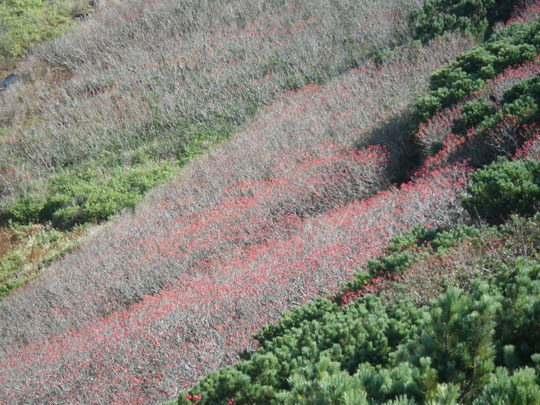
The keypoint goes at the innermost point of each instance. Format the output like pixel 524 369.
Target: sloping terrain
pixel 211 251
pixel 79 144
pixel 336 145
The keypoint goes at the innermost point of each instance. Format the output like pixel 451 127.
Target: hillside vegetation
pixel 444 329
pixel 26 23
pixel 172 81
pixel 359 164
pixel 474 344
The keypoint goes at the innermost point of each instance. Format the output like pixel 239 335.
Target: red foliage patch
pixel 289 209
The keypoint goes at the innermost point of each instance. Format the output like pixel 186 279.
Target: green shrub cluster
pixel 468 16
pixel 521 103
pixel 480 346
pixel 24 23
pixel 502 188
pixel 7 287
pixel 87 196
pixel 516 44
pixel 473 113
pixel 407 249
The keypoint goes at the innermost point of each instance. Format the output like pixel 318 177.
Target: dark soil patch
pixel 8 240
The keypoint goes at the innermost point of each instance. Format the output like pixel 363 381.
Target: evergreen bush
pixel 87 197
pixel 470 72
pixel 468 16
pixel 502 188
pixel 477 346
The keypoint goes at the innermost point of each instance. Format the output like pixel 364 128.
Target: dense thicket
pixel 471 71
pixel 469 344
pixel 148 103
pixel 478 345
pixel 504 187
pixel 262 223
pixel 79 144
pixel 136 150
pixel 437 17
pixel 296 203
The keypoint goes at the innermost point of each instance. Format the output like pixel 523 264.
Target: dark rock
pixel 81 17
pixel 10 80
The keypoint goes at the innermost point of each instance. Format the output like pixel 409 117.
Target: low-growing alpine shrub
pixel 474 347
pixel 439 16
pixel 502 188
pixel 87 197
pixel 469 16
pixel 473 113
pixel 470 71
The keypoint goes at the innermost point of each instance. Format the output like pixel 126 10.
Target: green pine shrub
pixel 473 113
pixel 459 340
pixel 470 72
pixel 502 188
pixel 323 383
pixel 521 387
pixel 474 17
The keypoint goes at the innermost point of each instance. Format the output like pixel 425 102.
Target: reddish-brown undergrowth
pixel 525 11
pixel 200 320
pixel 7 240
pixel 286 210
pixel 291 207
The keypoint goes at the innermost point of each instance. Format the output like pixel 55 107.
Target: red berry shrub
pixel 525 11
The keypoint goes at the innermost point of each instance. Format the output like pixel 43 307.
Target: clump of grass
pixel 88 196
pixel 25 23
pixel 36 248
